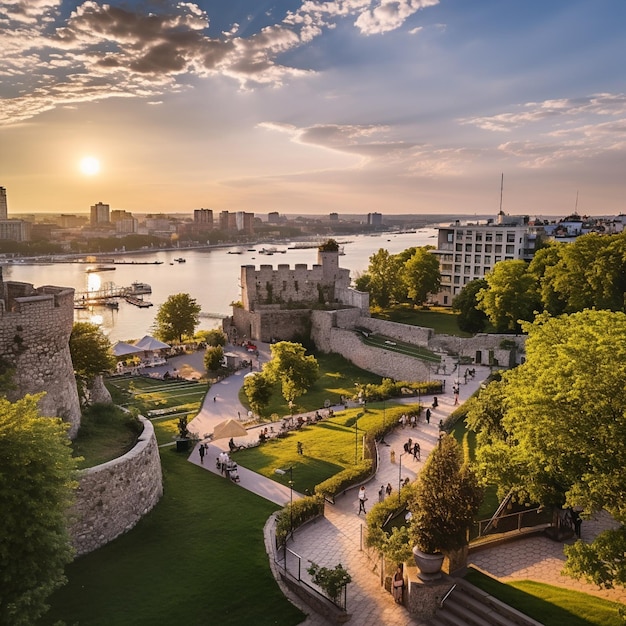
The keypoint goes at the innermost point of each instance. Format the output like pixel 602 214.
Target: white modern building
pixel 469 250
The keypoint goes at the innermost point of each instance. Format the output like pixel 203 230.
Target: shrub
pixel 298 512
pixel 332 581
pixel 344 479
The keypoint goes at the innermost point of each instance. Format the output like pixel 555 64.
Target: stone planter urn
pixel 429 565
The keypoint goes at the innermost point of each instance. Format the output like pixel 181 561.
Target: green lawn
pixel 198 558
pixel 337 377
pixel 441 319
pixel 329 446
pixel 552 606
pixel 401 347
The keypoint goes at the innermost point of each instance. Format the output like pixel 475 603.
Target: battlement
pixel 35 328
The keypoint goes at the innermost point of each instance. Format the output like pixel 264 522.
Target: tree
pixel 446 499
pixel 36 489
pixel 560 440
pixel 511 295
pixel 421 275
pixel 258 390
pixel 177 317
pixel 382 279
pixel 291 367
pixel 91 354
pixel 213 337
pixel 470 319
pixel 213 358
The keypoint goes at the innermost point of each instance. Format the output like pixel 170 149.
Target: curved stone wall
pixel 111 498
pixel 35 328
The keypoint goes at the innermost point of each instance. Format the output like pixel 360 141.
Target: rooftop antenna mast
pixel 501 190
pixel 576 205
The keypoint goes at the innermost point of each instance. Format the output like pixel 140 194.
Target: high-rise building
pixel 469 250
pixel 374 219
pixel 245 222
pixel 3 204
pixel 203 218
pixel 100 214
pixel 273 218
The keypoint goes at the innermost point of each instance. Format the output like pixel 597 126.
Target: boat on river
pixel 100 268
pixel 138 288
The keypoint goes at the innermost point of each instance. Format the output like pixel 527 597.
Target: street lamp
pixel 400 475
pixel 356 440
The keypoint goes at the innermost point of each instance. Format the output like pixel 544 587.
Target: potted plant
pixel 445 500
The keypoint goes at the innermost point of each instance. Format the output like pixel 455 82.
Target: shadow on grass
pixel 547 603
pixel 178 564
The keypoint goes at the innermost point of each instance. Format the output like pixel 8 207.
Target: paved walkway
pixel 338 537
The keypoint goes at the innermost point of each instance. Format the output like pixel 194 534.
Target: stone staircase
pixel 468 605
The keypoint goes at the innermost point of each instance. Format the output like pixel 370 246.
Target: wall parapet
pixel 112 497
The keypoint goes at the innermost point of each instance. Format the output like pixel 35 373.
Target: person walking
pixel 428 416
pixel 362 500
pixel 202 452
pixel 388 489
pixel 381 493
pixel 417 452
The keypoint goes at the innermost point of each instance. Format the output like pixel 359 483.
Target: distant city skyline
pixel 302 107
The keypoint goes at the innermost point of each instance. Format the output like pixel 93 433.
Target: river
pixel 209 275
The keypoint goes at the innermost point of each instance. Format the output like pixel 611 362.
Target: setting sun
pixel 89 166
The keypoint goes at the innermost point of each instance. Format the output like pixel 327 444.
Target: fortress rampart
pixel 111 498
pixel 35 327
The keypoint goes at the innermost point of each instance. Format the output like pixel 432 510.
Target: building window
pixel 457 269
pixel 498 247
pixel 468 234
pixel 488 236
pixel 488 247
pixel 486 269
pixel 497 259
pixel 457 280
pixel 510 237
pixel 488 260
pixel 498 236
pixel 445 301
pixel 478 247
pixel 479 236
pixel 468 258
pixel 446 267
pixel 467 269
pixel 449 237
pixel 468 247
pixel 510 248
pixel 459 247
pixel 477 259
pixel 459 234
pixel 458 258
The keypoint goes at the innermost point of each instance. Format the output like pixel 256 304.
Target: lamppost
pixel 356 440
pixel 400 475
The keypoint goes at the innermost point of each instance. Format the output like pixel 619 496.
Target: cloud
pixel 389 15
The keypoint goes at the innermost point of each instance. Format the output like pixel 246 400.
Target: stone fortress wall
pixel 35 327
pixel 111 498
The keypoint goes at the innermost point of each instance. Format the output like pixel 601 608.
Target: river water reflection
pixel 209 275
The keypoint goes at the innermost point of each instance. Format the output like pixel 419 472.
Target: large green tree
pixel 290 366
pixel 470 319
pixel 258 389
pixel 421 275
pixel 91 354
pixel 177 318
pixel 554 431
pixel 383 279
pixel 36 487
pixel 510 297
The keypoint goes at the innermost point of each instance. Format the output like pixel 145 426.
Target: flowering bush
pixel 331 581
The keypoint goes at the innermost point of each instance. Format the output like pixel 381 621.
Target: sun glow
pixel 89 166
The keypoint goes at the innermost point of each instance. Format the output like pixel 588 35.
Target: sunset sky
pixel 311 107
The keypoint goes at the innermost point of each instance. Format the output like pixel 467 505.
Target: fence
pixel 527 518
pixel 291 563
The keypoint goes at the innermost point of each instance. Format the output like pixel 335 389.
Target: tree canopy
pixel 91 351
pixel 258 390
pixel 554 429
pixel 510 297
pixel 177 317
pixel 421 275
pixel 470 318
pixel 446 498
pixel 36 487
pixel 291 367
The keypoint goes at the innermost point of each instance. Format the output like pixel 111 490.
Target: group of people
pixel 413 448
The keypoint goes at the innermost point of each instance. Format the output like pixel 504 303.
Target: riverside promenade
pixel 338 536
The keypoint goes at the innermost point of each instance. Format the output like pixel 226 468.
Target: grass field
pixel 441 319
pixel 552 606
pixel 329 446
pixel 401 347
pixel 197 558
pixel 337 378
pixel 162 401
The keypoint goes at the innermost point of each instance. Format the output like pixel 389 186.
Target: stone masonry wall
pixel 113 497
pixel 411 334
pixel 35 327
